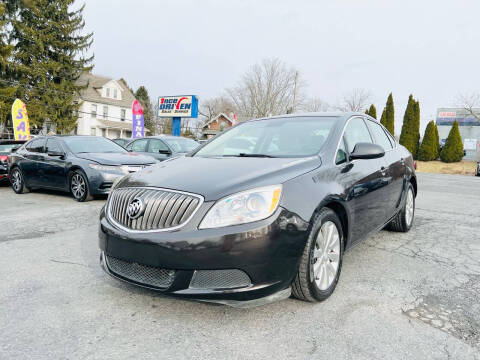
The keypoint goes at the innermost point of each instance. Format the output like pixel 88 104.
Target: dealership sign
pixel 183 106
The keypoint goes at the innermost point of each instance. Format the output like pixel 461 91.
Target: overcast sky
pixel 430 48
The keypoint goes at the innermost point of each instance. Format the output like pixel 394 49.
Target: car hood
pixel 217 177
pixel 117 158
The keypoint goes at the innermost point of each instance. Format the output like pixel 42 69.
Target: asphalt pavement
pixel 400 296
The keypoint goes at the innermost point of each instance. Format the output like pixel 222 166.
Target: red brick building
pixel 216 125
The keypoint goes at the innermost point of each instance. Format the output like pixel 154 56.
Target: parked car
pixel 6 149
pixel 121 141
pixel 82 165
pixel 266 221
pixel 478 168
pixel 162 147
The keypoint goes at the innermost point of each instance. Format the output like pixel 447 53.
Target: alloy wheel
pixel 78 186
pixel 326 255
pixel 16 180
pixel 409 207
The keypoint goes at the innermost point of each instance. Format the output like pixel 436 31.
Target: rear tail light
pixel 3 158
pixel 415 164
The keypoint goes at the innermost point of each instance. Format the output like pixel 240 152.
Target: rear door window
pixel 356 132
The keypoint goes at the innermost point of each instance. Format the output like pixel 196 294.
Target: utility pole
pixel 295 92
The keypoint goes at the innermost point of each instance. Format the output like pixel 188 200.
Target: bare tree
pixel 315 105
pixel 470 102
pixel 266 89
pixel 212 107
pixel 356 100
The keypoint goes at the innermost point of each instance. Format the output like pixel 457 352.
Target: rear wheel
pixel 321 261
pixel 79 186
pixel 18 182
pixel 403 221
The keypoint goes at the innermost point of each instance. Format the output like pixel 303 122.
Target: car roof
pixel 338 114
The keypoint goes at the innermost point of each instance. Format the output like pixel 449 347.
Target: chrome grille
pixel 143 274
pixel 219 279
pixel 164 209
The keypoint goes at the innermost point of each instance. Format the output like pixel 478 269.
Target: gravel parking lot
pixel 414 295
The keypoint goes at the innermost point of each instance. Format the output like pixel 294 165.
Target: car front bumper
pixel 266 252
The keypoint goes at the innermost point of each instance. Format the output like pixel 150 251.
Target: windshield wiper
pixel 251 155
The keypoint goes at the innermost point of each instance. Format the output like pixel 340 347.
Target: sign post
pixel 177 107
pixel 21 125
pixel 138 125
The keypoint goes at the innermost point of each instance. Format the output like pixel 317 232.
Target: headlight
pixel 244 207
pixel 107 168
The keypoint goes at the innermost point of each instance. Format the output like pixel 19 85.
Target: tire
pixel 403 221
pixel 18 181
pixel 79 186
pixel 310 284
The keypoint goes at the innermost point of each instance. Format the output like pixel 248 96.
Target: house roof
pixel 95 82
pixel 216 118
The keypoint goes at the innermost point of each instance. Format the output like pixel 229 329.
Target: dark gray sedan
pixel 162 147
pixel 82 165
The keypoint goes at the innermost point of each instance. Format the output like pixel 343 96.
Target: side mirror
pixel 55 153
pixel 166 152
pixel 367 151
pixel 14 149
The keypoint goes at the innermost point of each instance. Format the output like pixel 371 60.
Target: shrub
pixel 453 149
pixel 429 148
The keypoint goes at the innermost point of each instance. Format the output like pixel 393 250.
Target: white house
pixel 106 108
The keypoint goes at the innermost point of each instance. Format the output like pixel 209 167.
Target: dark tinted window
pixel 157 145
pixel 92 144
pixel 380 137
pixel 53 145
pixel 341 153
pixel 139 145
pixel 36 145
pixel 356 132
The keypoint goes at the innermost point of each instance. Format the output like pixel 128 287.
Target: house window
pixel 115 93
pixel 122 114
pixel 93 131
pixel 108 92
pixel 94 111
pixel 105 112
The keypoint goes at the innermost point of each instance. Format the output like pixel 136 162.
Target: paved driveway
pixel 414 295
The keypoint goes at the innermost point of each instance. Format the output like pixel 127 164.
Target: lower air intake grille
pixel 143 274
pixel 219 279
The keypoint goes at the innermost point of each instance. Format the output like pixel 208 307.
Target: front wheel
pixel 18 181
pixel 79 186
pixel 321 261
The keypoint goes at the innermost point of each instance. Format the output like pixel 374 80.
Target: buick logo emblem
pixel 135 209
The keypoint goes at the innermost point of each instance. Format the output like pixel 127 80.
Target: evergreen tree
pixel 429 149
pixel 49 51
pixel 372 111
pixel 383 118
pixel 390 115
pixel 366 112
pixel 453 149
pixel 437 142
pixel 148 114
pixel 416 127
pixel 7 90
pixel 407 136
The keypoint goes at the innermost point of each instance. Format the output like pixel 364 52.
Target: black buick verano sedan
pixel 265 209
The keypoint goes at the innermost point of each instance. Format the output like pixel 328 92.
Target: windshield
pixel 282 137
pixel 182 144
pixel 91 144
